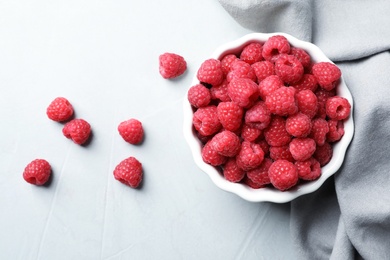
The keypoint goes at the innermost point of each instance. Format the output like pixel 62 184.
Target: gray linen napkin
pixel 349 216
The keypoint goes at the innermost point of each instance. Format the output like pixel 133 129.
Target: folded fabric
pixel 349 216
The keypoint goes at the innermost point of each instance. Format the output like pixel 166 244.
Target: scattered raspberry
pixel 226 143
pixel 302 56
pixel 336 130
pixel 226 62
pixel 327 74
pixel 210 72
pixel 205 120
pixel 37 172
pixel 243 91
pixel 269 85
pixel 129 172
pixel 232 172
pixel 337 108
pixel 258 116
pixel 252 53
pixel 240 69
pixel 319 130
pixel 323 153
pixel 230 115
pixel 280 153
pixel 302 148
pixel 250 156
pixel 78 130
pixel 283 174
pixel 212 157
pixel 298 125
pixel 307 102
pixel 308 81
pixel 199 95
pixel 276 134
pixel 289 69
pixel 263 69
pixel 60 110
pixel 259 175
pixel 309 170
pixel 250 133
pixel 282 101
pixel 219 92
pixel 275 46
pixel 131 131
pixel 251 184
pixel 171 65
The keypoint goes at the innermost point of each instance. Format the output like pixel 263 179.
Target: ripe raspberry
pixel 319 130
pixel 78 130
pixel 60 110
pixel 274 46
pixel 307 102
pixel 289 69
pixel 327 74
pixel 263 69
pixel 302 56
pixel 280 153
pixel 269 85
pixel 336 130
pixel 302 148
pixel 250 156
pixel 250 133
pixel 210 72
pixel 323 153
pixel 337 108
pixel 282 101
pixel 171 65
pixel 298 125
pixel 129 172
pixel 283 174
pixel 230 115
pixel 251 184
pixel 226 143
pixel 251 53
pixel 219 92
pixel 131 131
pixel 212 157
pixel 232 172
pixel 259 175
pixel 227 61
pixel 205 120
pixel 258 116
pixel 276 134
pixel 264 146
pixel 199 96
pixel 243 91
pixel 322 96
pixel 308 81
pixel 309 170
pixel 241 69
pixel 37 172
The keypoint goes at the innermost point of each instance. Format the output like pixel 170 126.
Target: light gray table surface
pixel 103 57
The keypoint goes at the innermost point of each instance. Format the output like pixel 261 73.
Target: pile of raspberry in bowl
pixel 267 114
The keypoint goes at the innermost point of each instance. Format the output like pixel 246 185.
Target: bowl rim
pixel 269 194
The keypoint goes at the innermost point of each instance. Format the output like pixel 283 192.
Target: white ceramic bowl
pixel 269 194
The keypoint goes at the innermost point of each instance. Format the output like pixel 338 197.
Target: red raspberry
pixel 219 92
pixel 251 53
pixel 264 146
pixel 276 134
pixel 280 152
pixel 131 131
pixel 283 174
pixel 319 130
pixel 251 183
pixel 171 65
pixel 243 91
pixel 226 143
pixel 212 157
pixel 210 72
pixel 269 85
pixel 274 46
pixel 129 172
pixel 59 110
pixel 282 101
pixel 78 130
pixel 323 153
pixel 263 69
pixel 259 175
pixel 309 170
pixel 250 133
pixel 250 156
pixel 230 115
pixel 302 56
pixel 289 69
pixel 232 172
pixel 302 148
pixel 327 74
pixel 205 120
pixel 298 125
pixel 258 116
pixel 241 69
pixel 337 108
pixel 308 81
pixel 322 96
pixel 37 172
pixel 307 102
pixel 227 61
pixel 336 130
pixel 199 95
